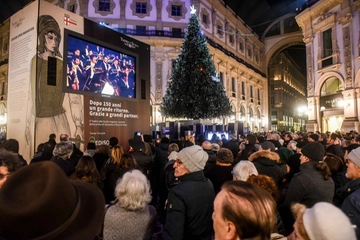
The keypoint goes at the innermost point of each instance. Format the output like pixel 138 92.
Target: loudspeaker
pixel 219 128
pixel 143 89
pixel 240 128
pixel 231 127
pixel 51 74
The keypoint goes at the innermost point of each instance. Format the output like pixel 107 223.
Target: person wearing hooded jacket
pixel 266 162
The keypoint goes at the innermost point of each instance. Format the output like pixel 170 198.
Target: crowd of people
pixel 259 186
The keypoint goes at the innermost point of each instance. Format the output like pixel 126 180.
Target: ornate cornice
pixel 308 39
pixel 315 10
pixel 345 19
pixel 325 20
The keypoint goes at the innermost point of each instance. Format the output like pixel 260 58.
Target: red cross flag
pixel 68 20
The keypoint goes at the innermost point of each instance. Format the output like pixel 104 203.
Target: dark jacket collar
pixel 195 176
pixel 308 165
pixel 344 191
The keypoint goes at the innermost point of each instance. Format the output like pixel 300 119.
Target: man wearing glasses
pixel 351 191
pixel 9 163
pixel 190 203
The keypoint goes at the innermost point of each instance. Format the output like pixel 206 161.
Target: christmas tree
pixel 194 91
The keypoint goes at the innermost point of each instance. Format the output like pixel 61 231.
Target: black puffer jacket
pixel 266 163
pixel 144 161
pixel 211 162
pixel 244 155
pixel 189 208
pixel 161 158
pixel 233 146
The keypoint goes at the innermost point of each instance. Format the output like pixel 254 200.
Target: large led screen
pixel 95 69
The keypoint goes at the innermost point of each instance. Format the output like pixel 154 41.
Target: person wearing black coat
pixel 211 162
pixel 232 145
pixel 249 148
pixel 62 153
pixel 46 153
pixel 266 163
pixel 190 203
pixel 160 159
pixel 334 147
pixel 311 185
pixel 143 160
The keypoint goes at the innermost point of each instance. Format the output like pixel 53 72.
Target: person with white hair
pixel 61 156
pixel 323 221
pixel 130 216
pixel 292 145
pixel 243 170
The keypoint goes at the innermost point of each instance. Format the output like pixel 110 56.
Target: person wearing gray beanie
pixel 194 158
pixel 190 203
pixel 348 196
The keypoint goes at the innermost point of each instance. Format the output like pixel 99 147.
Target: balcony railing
pixel 159 33
pixel 307 4
pixel 176 34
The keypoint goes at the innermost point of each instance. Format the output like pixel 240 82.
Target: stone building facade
pixel 331 30
pixel 287 94
pixel 240 56
pixel 237 52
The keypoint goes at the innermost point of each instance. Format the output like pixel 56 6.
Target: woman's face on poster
pixel 51 42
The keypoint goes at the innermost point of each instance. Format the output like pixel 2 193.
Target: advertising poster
pixel 70 75
pixel 22 48
pixel 37 104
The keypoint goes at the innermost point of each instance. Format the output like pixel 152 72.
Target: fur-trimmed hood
pixel 265 154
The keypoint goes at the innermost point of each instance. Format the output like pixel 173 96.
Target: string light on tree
pixel 195 91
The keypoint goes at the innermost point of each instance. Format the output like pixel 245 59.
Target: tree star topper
pixel 193 10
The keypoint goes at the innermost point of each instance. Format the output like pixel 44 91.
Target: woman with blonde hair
pixel 130 217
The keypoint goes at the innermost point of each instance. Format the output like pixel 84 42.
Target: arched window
pixel 331 86
pixel 242 113
pixel 251 114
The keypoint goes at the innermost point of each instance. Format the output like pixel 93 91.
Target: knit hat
pixel 314 150
pixel 251 138
pixel 315 137
pixel 326 222
pixel 354 156
pixel 194 158
pixel 284 154
pixel 267 145
pixel 173 155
